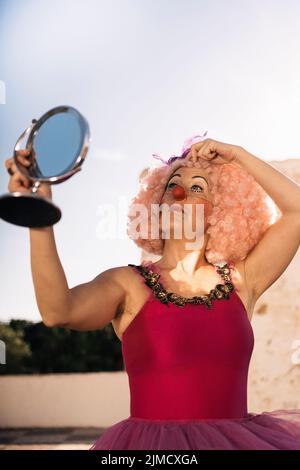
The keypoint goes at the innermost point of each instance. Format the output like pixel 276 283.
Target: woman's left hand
pixel 212 150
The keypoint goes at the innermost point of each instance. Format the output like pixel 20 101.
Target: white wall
pixel 59 400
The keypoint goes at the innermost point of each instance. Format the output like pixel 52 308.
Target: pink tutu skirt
pixel 279 429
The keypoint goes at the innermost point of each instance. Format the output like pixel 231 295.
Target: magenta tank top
pixel 188 361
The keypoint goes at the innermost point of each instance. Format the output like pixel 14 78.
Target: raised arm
pixel 94 304
pixel 87 306
pixel 279 244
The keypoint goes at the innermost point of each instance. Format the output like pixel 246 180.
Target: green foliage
pixel 33 348
pixel 17 350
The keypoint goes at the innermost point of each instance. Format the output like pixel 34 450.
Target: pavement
pixel 48 438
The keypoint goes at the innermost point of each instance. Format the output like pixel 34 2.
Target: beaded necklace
pixel 220 291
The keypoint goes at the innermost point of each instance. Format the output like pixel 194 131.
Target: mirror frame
pixel 31 132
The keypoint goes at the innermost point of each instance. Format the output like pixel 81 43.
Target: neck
pixel 177 256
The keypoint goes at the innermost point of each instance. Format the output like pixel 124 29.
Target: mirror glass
pixel 56 145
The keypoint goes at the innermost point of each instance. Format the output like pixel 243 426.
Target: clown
pixel 185 319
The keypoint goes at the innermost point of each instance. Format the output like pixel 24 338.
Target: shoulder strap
pixel 224 270
pixel 150 278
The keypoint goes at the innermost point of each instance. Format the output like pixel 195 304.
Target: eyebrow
pixel 196 176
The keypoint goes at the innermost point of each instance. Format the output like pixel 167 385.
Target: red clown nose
pixel 178 193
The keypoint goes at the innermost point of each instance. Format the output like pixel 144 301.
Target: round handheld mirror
pixel 58 143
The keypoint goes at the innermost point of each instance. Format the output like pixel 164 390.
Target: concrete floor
pixel 48 438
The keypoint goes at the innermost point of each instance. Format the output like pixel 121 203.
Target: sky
pixel 146 74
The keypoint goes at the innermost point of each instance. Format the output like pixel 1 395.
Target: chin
pixel 173 224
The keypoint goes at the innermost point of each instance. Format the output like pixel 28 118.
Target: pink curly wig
pixel 242 210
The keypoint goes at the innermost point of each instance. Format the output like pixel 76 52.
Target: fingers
pixel 192 155
pixel 22 157
pixel 202 150
pixel 195 152
pixel 207 152
pixel 18 182
pixel 8 163
pixel 11 166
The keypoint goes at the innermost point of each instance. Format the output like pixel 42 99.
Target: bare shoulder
pixel 125 278
pixel 95 303
pixel 120 274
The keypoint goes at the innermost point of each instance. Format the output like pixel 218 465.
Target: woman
pixel 185 320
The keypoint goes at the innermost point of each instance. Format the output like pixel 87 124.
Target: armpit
pixel 237 272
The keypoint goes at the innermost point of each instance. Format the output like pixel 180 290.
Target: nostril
pixel 178 193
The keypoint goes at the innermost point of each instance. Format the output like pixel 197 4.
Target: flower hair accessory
pixel 185 149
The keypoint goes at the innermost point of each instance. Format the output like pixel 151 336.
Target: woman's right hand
pixel 18 181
